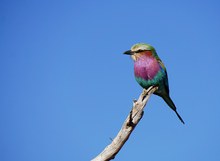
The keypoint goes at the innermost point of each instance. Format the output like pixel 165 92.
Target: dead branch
pixel 131 121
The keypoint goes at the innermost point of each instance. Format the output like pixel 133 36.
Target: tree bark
pixel 128 126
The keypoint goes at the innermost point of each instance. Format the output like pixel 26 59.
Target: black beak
pixel 129 52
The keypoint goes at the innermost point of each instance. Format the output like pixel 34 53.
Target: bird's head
pixel 139 49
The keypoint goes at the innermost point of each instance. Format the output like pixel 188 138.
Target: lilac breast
pixel 146 67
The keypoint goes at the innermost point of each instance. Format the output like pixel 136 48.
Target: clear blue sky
pixel 66 87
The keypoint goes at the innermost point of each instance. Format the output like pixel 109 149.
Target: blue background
pixel 66 87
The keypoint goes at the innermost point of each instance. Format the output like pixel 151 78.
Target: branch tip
pixel 131 121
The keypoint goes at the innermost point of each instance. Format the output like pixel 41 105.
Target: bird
pixel 149 70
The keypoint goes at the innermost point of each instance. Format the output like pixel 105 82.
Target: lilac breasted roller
pixel 149 70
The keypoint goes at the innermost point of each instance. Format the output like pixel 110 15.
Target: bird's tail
pixel 169 101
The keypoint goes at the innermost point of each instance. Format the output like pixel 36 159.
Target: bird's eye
pixel 138 51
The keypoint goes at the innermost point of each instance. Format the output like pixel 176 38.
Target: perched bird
pixel 149 70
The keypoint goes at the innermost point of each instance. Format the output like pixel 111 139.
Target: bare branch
pixel 131 121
